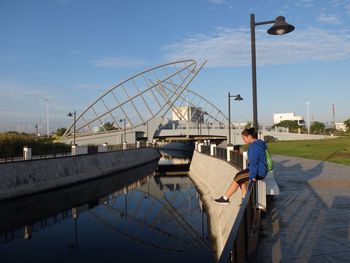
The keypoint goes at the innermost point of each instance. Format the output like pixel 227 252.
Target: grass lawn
pixel 331 150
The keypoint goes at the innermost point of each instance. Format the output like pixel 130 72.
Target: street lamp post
pixel 123 120
pixel 74 114
pixel 279 27
pixel 308 116
pixel 238 98
pixel 47 117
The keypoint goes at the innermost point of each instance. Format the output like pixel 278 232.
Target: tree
pixel 61 131
pixel 347 124
pixel 317 127
pixel 109 126
pixel 249 124
pixel 292 125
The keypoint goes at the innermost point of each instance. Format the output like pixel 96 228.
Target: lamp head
pixel 280 27
pixel 70 114
pixel 238 97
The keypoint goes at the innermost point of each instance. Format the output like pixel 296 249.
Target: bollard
pixel 138 144
pixel 103 148
pixel 212 149
pixel 245 159
pixel 28 230
pixel 125 145
pixel 74 150
pixel 27 153
pixel 229 149
pixel 200 147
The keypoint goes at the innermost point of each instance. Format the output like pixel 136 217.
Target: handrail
pixel 244 220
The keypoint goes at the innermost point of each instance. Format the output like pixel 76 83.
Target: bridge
pixel 155 103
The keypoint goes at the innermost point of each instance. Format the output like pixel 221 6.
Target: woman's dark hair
pixel 250 131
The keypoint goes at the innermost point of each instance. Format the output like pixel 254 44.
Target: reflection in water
pixel 174 160
pixel 144 218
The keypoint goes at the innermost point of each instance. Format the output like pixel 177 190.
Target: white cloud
pixel 329 19
pixel 217 2
pixel 304 3
pixel 88 86
pixel 118 62
pixel 231 47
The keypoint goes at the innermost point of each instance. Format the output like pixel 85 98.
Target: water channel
pixel 140 215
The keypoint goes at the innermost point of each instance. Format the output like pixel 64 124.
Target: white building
pixel 290 116
pixel 340 126
pixel 188 114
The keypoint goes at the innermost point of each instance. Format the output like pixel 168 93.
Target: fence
pixel 67 152
pixel 220 153
pixel 236 157
pixel 237 247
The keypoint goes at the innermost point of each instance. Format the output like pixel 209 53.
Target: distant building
pixel 340 126
pixel 290 116
pixel 188 114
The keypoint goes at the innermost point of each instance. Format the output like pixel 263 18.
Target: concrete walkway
pixel 310 220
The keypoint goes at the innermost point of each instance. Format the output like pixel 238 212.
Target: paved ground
pixel 310 220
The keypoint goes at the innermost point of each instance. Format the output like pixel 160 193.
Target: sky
pixel 69 52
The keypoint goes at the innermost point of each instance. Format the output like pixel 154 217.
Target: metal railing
pixel 237 245
pixel 220 153
pixel 67 152
pixel 236 158
pixel 41 155
pixel 205 149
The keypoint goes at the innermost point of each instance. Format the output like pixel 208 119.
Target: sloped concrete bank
pixel 27 177
pixel 212 177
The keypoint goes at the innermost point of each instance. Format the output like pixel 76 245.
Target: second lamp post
pixel 74 114
pixel 229 96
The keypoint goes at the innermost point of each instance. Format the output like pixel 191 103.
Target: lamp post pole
pixel 229 119
pixel 74 114
pixel 229 96
pixel 74 125
pixel 123 120
pixel 47 118
pixel 279 27
pixel 124 130
pixel 253 56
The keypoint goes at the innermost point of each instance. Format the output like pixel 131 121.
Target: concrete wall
pixel 26 177
pixel 212 177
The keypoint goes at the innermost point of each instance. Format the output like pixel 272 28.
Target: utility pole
pixel 47 118
pixel 308 116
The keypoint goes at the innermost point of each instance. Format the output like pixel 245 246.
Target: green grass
pixel 331 150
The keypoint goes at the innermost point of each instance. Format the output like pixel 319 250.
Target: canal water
pixel 139 215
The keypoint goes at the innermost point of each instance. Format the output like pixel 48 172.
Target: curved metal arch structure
pixel 137 100
pixel 147 97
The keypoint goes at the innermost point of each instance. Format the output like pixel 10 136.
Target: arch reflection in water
pixel 155 218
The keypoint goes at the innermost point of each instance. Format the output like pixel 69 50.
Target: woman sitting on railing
pixel 256 166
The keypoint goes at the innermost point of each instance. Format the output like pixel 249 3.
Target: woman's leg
pixel 243 187
pixel 232 189
pixel 239 181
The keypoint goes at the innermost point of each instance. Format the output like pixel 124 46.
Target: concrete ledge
pixel 27 177
pixel 212 177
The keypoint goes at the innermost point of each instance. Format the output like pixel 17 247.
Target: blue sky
pixel 71 51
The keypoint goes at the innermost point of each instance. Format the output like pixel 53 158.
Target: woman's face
pixel 247 139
